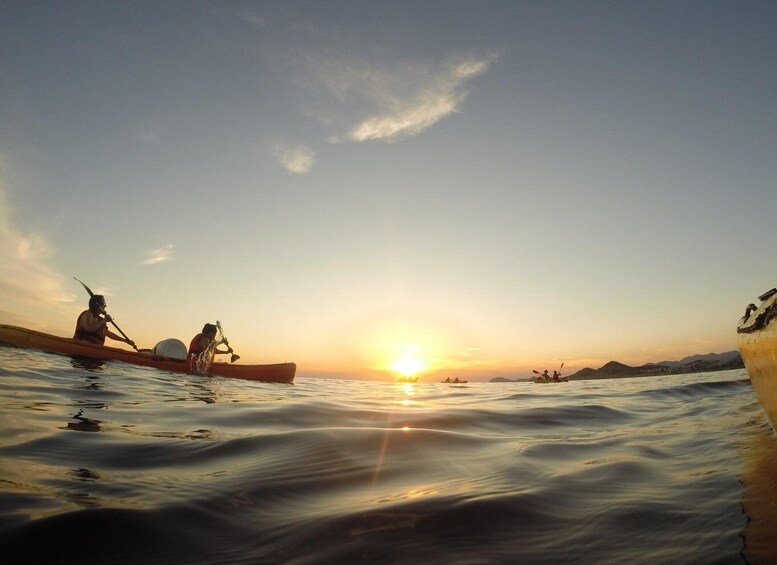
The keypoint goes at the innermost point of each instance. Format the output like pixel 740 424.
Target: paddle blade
pixel 235 358
pixel 89 290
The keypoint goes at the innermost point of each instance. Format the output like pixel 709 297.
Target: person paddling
pixel 203 340
pixel 92 327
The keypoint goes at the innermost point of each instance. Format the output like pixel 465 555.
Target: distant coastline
pixel 692 364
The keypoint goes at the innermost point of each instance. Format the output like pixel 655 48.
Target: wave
pixel 129 465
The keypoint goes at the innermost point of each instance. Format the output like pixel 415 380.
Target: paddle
pixel 235 357
pixel 559 369
pixel 541 376
pixel 132 343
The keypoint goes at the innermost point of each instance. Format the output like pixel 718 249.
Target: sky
pixel 462 189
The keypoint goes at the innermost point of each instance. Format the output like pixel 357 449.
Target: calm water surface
pixel 121 464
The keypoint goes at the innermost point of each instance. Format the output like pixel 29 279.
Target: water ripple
pixel 121 464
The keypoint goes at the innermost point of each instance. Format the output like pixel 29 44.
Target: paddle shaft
pixel 89 290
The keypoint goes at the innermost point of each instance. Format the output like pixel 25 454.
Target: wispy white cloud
pixel 298 159
pixel 159 255
pixel 433 98
pixel 26 276
pixel 389 103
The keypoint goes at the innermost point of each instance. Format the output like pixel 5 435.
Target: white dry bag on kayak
pixel 171 348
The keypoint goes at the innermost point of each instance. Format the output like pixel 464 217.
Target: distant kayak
pixel 545 377
pixel 30 339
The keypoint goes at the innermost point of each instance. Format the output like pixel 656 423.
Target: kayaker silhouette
pixel 92 327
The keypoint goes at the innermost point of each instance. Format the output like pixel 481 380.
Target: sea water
pixel 112 463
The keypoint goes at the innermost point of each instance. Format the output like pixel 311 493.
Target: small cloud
pixel 298 159
pixel 160 255
pixel 396 102
pixel 407 122
pixel 432 100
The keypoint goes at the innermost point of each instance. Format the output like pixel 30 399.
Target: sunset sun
pixel 408 366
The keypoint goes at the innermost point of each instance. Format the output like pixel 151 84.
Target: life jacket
pixel 195 352
pixel 194 346
pixel 96 337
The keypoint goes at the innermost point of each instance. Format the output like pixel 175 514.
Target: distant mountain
pixel 722 357
pixel 692 364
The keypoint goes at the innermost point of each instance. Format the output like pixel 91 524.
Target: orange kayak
pixel 30 339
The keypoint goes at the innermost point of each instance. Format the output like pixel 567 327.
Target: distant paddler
pixel 544 377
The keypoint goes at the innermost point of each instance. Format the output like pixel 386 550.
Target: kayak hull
pixel 30 339
pixel 757 337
